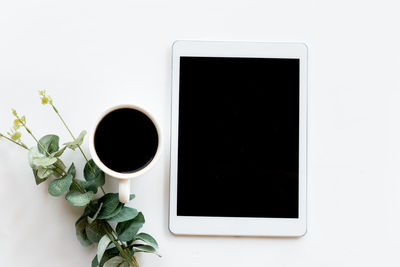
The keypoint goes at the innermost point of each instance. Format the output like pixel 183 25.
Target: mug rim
pixel 106 169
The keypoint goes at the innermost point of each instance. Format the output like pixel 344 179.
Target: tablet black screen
pixel 238 147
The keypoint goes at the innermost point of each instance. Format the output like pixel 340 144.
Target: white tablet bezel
pixel 191 225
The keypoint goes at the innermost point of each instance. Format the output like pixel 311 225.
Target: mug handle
pixel 124 190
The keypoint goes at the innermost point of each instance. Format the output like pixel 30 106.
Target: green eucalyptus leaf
pixel 95 231
pixel 77 142
pixel 44 172
pixel 131 251
pixel 132 196
pixel 76 198
pixel 93 206
pixel 125 214
pixel 102 246
pixel 129 243
pixel 148 239
pixel 34 154
pixel 145 248
pixel 111 202
pixel 48 144
pixel 73 186
pixel 59 164
pixel 38 180
pixel 72 170
pixel 80 228
pixel 59 187
pixel 91 186
pixel 44 161
pixel 116 261
pixel 81 184
pixel 94 176
pixel 95 262
pixel 86 213
pixel 92 219
pixel 56 173
pixel 116 211
pixel 59 152
pixel 127 230
pixel 108 254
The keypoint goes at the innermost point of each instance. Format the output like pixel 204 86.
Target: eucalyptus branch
pixel 59 173
pixel 9 139
pixel 70 132
pixel 72 135
pixel 30 132
pixel 74 139
pixel 135 261
pixel 80 188
pixel 22 144
pixel 62 170
pixel 46 99
pixel 120 249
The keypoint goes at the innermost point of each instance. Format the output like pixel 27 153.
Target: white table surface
pixel 92 54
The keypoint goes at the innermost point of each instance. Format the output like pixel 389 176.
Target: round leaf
pixel 77 142
pixel 127 230
pixel 44 172
pixel 76 198
pixel 38 180
pixel 72 170
pixel 116 211
pixel 117 261
pixel 94 176
pixel 108 254
pixel 102 246
pixel 95 263
pixel 80 183
pixel 95 231
pixel 86 212
pixel 49 143
pixel 148 239
pixel 110 203
pixel 34 154
pixel 145 248
pixel 80 227
pixel 92 219
pixel 44 162
pixel 59 152
pixel 125 214
pixel 60 164
pixel 59 187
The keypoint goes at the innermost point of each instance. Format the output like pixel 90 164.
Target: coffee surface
pixel 126 140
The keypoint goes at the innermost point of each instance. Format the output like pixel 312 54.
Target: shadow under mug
pixel 123 176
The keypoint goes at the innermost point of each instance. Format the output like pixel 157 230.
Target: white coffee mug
pixel 124 178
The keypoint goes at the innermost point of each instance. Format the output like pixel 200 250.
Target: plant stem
pixel 29 132
pixel 104 192
pixel 135 261
pixel 62 170
pixel 82 190
pixel 9 139
pixel 73 137
pixel 120 249
pixel 58 172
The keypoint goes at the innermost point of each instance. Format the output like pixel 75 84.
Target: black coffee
pixel 126 140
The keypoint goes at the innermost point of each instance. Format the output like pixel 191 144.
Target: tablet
pixel 238 139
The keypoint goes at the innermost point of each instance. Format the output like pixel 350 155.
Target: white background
pixel 93 54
